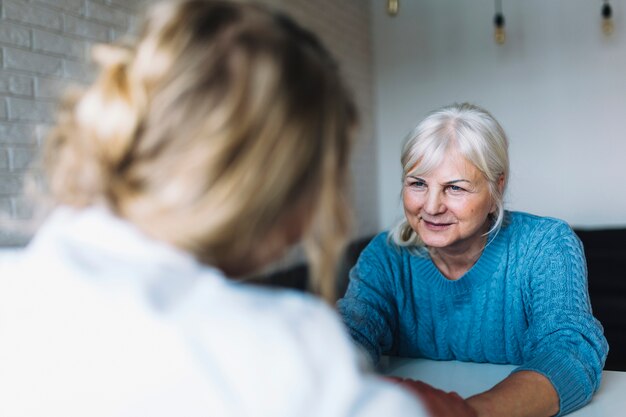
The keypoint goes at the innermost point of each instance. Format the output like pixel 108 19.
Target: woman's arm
pixel 522 394
pixel 368 308
pixel 564 348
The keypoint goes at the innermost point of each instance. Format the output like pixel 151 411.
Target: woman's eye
pixel 455 189
pixel 416 184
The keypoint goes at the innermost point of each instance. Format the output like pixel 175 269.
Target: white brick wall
pixel 44 45
pixel 3 109
pixel 4 159
pixel 43 48
pixel 32 14
pixel 46 41
pixel 14 35
pixel 33 62
pixel 16 84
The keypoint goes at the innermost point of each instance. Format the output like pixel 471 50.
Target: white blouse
pixel 96 319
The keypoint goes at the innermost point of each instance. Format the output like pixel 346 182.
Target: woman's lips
pixel 436 226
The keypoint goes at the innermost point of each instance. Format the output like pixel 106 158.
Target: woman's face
pixel 448 207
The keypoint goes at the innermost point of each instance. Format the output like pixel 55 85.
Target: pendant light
pixel 498 22
pixel 607 18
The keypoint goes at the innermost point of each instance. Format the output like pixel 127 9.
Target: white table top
pixel 471 378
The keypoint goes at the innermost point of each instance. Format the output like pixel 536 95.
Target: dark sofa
pixel 605 251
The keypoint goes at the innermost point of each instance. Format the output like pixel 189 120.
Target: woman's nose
pixel 434 203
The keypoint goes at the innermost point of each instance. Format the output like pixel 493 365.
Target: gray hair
pixel 479 138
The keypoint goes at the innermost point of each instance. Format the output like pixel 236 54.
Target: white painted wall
pixel 558 87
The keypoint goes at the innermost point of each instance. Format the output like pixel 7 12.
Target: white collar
pixel 112 251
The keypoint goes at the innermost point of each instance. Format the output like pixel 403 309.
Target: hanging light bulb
pixel 498 21
pixel 607 18
pixel 500 34
pixel 392 7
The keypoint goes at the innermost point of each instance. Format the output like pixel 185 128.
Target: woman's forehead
pixel 451 163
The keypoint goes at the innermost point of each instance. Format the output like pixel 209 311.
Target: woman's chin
pixel 435 239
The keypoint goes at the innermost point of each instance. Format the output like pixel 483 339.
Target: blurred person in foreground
pixel 202 152
pixel 461 278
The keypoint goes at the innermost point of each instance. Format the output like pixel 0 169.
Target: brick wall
pixel 44 45
pixel 43 48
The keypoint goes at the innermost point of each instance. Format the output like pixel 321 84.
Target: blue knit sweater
pixel 524 302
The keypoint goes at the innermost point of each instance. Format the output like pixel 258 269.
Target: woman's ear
pixel 501 184
pixel 494 206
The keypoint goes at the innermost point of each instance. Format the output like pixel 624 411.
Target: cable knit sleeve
pixel 564 341
pixel 368 309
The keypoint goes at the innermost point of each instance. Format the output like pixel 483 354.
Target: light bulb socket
pixel 607 11
pixel 498 20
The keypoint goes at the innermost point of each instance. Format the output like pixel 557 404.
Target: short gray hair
pixel 479 138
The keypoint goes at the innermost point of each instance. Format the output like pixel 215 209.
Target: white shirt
pixel 96 319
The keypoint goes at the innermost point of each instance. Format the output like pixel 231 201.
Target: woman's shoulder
pixel 528 221
pixel 522 216
pixel 276 316
pixel 383 245
pixel 381 240
pixel 282 334
pixel 288 336
pixel 382 253
pixel 532 229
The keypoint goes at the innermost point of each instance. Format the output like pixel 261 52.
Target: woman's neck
pixel 454 261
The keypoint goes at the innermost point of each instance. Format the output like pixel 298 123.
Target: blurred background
pixel 557 85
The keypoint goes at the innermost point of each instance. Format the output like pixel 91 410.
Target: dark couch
pixel 605 251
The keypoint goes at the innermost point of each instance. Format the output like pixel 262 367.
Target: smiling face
pixel 449 206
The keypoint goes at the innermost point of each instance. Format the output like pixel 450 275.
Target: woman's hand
pixel 438 403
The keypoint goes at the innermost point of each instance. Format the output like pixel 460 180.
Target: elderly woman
pixel 460 278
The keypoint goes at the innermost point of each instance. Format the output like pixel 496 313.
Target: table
pixel 471 378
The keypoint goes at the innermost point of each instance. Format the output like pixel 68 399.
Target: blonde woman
pixel 461 278
pixel 204 150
